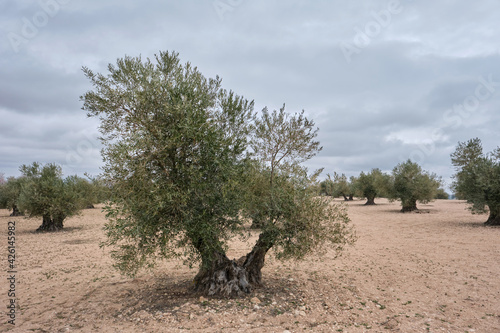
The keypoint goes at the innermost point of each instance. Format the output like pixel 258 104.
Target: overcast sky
pixel 384 80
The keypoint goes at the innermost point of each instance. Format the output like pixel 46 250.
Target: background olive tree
pixel 176 150
pixel 411 184
pixel 92 190
pixel 477 179
pixel 325 187
pixel 9 195
pixel 340 185
pixel 372 185
pixel 44 193
pixel 442 194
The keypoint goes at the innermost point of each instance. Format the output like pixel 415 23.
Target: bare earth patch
pixel 436 271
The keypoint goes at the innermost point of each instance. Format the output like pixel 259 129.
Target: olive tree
pixel 9 195
pixel 325 187
pixel 341 186
pixel 92 191
pixel 46 194
pixel 176 148
pixel 411 184
pixel 372 185
pixel 477 179
pixel 441 194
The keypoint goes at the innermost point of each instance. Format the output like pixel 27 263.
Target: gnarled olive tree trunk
pixel 254 261
pixel 226 277
pixel 222 277
pixel 51 223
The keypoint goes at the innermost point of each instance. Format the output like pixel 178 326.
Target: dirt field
pixel 437 271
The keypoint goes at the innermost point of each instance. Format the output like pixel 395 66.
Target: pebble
pixel 300 313
pixel 255 300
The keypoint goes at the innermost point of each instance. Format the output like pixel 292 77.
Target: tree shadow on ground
pixel 58 232
pixel 175 295
pixel 474 224
pixel 418 211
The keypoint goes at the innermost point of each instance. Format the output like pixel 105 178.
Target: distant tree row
pixel 408 183
pixel 477 180
pixel 41 191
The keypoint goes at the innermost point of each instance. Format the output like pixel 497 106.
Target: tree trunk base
pixel 409 209
pixel 231 278
pixel 51 228
pixel 370 202
pixel 493 221
pixel 228 279
pixel 50 225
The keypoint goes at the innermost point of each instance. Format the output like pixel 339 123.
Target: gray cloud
pixel 395 99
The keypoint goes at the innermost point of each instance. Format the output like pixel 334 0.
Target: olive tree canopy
pixel 177 154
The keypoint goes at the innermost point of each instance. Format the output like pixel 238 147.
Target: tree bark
pixel 254 261
pixel 51 224
pixel 351 197
pixel 370 201
pixel 223 277
pixel 345 198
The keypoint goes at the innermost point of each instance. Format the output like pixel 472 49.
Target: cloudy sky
pixel 384 80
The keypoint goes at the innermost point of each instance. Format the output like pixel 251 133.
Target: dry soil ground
pixel 436 271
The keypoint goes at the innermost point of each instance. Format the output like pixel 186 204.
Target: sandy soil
pixel 437 271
